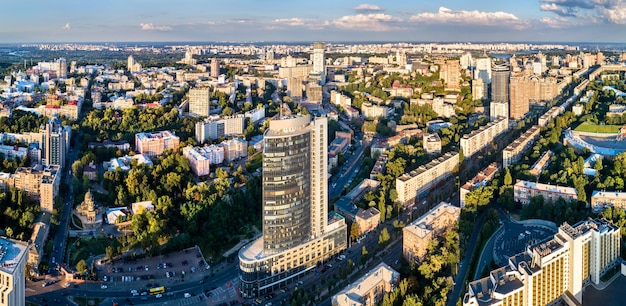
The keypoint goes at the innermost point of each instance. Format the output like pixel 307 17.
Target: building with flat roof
pixel 541 163
pixel 478 139
pixel 298 231
pixel 417 235
pixel 481 179
pixel 199 101
pixel 523 191
pixel 553 270
pixel 498 109
pixel 514 151
pixel 367 219
pixel 13 257
pixel 153 144
pixel 601 200
pixel 215 126
pixel 38 242
pixel 417 183
pixel 370 288
pixel 431 143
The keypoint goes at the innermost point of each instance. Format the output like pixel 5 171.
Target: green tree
pixel 508 180
pixel 384 237
pixel 81 266
pixel 355 231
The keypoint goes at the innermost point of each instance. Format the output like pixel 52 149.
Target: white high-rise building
pixel 62 68
pixel 498 109
pixel 13 256
pixel 483 70
pixel 319 63
pixel 54 142
pixel 298 231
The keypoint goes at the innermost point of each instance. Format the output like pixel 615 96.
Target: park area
pixel 594 128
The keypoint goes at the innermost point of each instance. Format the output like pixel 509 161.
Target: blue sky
pixel 308 20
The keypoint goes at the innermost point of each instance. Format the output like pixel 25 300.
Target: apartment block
pixel 214 127
pixel 13 257
pixel 450 72
pixel 550 114
pixel 234 149
pixel 370 289
pixel 523 191
pixel 199 101
pixel 513 152
pixel 431 143
pixel 39 183
pixel 554 271
pixel 155 143
pixel 481 179
pixel 601 200
pixel 417 235
pixel 370 110
pixel 482 137
pixel 541 163
pixel 419 182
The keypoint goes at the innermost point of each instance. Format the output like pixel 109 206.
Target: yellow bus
pixel 157 290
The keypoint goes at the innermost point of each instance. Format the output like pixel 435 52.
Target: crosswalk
pixel 189 301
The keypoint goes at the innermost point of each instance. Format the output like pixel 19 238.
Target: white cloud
pixel 152 27
pixel 67 27
pixel 290 21
pixel 610 11
pixel 613 11
pixel 446 15
pixel 372 22
pixel 367 8
pixel 556 22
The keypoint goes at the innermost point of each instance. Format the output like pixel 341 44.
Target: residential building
pixel 319 64
pixel 483 71
pixel 554 271
pixel 298 231
pixel 431 143
pixel 49 187
pixel 500 82
pixel 480 180
pixel 55 142
pixel 13 151
pixel 374 111
pixel 550 114
pixel 215 68
pixel 600 200
pixel 256 114
pixel 314 92
pixel 541 163
pixel 478 139
pixel 417 183
pixel 36 249
pixel 450 72
pixel 200 164
pixel 38 182
pixel 519 96
pixel 513 152
pixel 295 88
pixel 140 207
pixel 498 109
pixel 479 90
pixel 199 101
pixel 153 144
pixel 370 289
pixel 124 162
pixel 13 257
pixel 367 219
pixel 234 149
pixel 379 165
pixel 523 191
pixel 214 127
pixel 417 235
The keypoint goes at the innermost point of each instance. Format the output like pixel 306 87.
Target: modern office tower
pixel 500 74
pixel 498 109
pixel 215 68
pixel 554 271
pixel 199 101
pixel 450 73
pixel 298 232
pixel 519 99
pixel 62 68
pixel 131 65
pixel 319 65
pixel 155 143
pixel 13 256
pixel 55 140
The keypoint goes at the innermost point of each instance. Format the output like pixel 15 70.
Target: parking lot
pixel 514 237
pixel 155 271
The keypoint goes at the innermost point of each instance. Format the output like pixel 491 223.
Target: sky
pixel 309 20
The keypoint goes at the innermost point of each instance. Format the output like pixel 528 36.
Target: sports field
pixel 593 128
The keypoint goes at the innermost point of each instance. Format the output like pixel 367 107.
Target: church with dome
pixel 89 213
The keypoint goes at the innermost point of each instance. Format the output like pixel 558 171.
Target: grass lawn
pixel 592 128
pixel 86 247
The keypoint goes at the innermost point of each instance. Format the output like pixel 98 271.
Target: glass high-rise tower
pixel 298 232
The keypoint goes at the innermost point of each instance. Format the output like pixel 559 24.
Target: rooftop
pixel 423 225
pixel 407 176
pixel 547 188
pixel 355 292
pixel 11 252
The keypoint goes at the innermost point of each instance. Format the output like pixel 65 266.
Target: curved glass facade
pixel 286 191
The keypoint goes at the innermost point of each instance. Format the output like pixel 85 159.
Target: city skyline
pixel 247 20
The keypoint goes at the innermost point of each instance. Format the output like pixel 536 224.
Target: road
pixel 343 178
